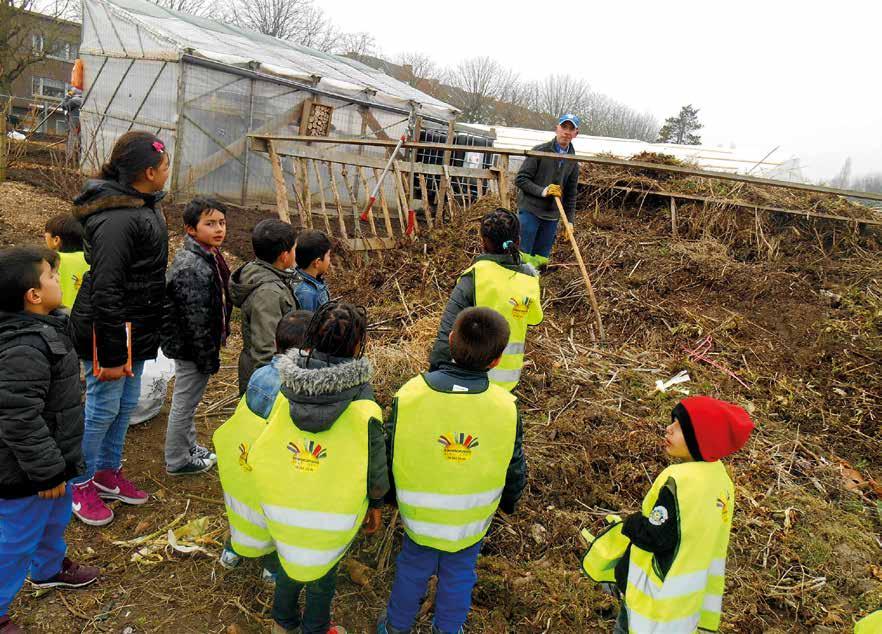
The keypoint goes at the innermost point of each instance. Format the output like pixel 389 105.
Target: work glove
pixel 552 190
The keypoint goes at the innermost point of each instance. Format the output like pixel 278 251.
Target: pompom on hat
pixel 712 429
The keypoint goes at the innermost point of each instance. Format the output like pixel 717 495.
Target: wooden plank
pixel 448 189
pixel 746 205
pixel 4 140
pixel 440 193
pixel 675 169
pixel 411 179
pixel 370 244
pixel 367 193
pixel 674 232
pixel 307 198
pixel 344 172
pixel 279 182
pixel 403 212
pixel 304 116
pixel 425 192
pixel 386 219
pixel 340 216
pixel 502 182
pixel 321 190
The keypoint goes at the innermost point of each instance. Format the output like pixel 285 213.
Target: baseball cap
pixel 571 118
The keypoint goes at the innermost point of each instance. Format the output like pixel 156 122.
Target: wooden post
pixel 411 180
pixel 425 192
pixel 321 188
pixel 352 199
pixel 367 192
pixel 4 141
pixel 448 190
pixel 402 200
pixel 502 181
pixel 307 198
pixel 382 195
pixel 674 229
pixel 279 182
pixel 337 201
pixel 443 184
pixel 582 269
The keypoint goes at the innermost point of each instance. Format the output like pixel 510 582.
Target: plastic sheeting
pixel 140 29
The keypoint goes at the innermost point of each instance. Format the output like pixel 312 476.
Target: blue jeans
pixel 537 235
pixel 316 617
pixel 109 406
pixel 456 580
pixel 31 537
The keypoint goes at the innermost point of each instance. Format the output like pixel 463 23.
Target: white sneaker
pixel 229 560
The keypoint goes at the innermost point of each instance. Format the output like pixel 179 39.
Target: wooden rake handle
pixel 584 271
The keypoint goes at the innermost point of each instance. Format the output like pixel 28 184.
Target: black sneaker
pixel 196 465
pixel 198 451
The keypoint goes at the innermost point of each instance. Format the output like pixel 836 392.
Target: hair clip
pixel 159 146
pixel 507 244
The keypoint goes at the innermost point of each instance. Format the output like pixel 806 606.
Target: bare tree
pixel 419 67
pixel 558 94
pixel 299 21
pixel 357 45
pixel 198 8
pixel 30 31
pixel 478 83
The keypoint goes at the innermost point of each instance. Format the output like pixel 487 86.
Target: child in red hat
pixel 669 560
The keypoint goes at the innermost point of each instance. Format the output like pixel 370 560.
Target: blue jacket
pixel 263 388
pixel 311 293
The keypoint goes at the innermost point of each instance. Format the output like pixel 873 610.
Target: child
pixel 118 313
pixel 64 234
pixel 456 453
pixel 41 427
pixel 313 261
pixel 669 560
pixel 234 439
pixel 319 468
pixel 263 388
pixel 263 290
pixel 196 326
pixel 499 281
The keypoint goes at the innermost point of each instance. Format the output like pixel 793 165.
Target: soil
pixel 793 334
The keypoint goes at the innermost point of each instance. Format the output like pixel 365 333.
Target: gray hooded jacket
pixel 319 389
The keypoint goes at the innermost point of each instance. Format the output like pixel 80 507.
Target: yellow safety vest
pixel 233 442
pixel 605 551
pixel 870 624
pixel 691 594
pixel 72 267
pixel 516 297
pixel 452 452
pixel 313 486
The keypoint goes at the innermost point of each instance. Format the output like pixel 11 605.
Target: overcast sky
pixel 802 75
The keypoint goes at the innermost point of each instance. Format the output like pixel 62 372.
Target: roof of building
pixel 140 29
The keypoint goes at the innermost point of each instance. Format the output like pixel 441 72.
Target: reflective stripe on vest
pixel 452 451
pixel 690 595
pixel 233 442
pixel 313 486
pixel 516 297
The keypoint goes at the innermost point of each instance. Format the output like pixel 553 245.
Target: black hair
pixel 501 231
pixel 479 338
pixel 338 329
pixel 270 238
pixel 69 229
pixel 198 206
pixel 20 272
pixel 132 153
pixel 311 245
pixel 291 331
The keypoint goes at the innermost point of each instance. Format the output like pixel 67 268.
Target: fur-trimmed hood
pixel 319 388
pixel 101 195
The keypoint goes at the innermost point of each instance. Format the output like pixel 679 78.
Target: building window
pixel 49 88
pixel 58 50
pixel 37 43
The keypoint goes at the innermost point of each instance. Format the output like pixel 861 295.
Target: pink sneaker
pixel 88 507
pixel 112 485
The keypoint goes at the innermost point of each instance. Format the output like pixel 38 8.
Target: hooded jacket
pixel 197 307
pixel 41 413
pixel 319 389
pixel 126 246
pixel 537 173
pixel 265 295
pixel 462 297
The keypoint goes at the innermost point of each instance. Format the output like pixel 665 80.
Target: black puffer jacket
pixel 41 412
pixel 126 245
pixel 197 308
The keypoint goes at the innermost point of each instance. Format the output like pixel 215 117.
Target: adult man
pixel 539 180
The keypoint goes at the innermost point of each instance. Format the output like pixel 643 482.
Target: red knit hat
pixel 712 429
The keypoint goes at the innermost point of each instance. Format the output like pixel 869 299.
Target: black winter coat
pixel 126 246
pixel 41 412
pixel 197 309
pixel 537 173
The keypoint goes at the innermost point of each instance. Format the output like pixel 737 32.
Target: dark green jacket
pixel 536 174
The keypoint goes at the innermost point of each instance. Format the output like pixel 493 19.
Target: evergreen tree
pixel 682 128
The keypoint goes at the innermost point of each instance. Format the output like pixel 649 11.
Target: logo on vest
pixel 457 447
pixel 307 456
pixel 519 307
pixel 243 456
pixel 77 281
pixel 723 505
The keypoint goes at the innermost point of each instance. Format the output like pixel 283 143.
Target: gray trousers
pixel 180 435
